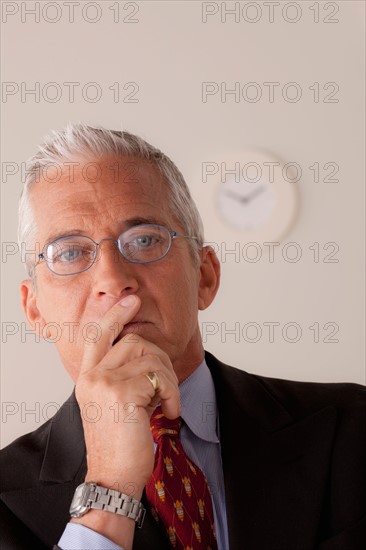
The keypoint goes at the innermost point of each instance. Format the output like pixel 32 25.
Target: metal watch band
pixel 113 501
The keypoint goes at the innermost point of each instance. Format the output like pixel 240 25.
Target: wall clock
pixel 253 195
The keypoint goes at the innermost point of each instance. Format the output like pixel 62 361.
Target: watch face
pixel 79 504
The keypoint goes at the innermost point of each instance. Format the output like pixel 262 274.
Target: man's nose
pixel 113 274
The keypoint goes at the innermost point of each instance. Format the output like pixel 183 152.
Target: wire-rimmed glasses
pixel 140 244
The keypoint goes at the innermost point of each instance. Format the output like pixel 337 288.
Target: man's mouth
pixel 130 328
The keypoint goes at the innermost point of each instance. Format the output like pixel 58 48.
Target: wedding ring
pixel 154 379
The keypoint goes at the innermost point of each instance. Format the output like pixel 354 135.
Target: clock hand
pixel 236 196
pixel 248 198
pixel 254 193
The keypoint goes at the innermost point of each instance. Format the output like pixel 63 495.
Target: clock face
pixel 256 201
pixel 246 205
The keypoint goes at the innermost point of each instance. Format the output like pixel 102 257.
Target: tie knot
pixel 161 425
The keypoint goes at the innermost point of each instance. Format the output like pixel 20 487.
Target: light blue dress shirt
pixel 199 436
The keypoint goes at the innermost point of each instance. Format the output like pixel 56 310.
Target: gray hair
pixel 80 140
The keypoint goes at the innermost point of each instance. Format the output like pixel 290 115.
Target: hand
pixel 119 445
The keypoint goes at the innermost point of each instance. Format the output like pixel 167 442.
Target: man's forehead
pixel 119 192
pixel 102 171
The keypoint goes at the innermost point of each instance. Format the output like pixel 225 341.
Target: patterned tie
pixel 177 490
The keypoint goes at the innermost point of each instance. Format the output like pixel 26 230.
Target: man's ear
pixel 209 277
pixel 29 304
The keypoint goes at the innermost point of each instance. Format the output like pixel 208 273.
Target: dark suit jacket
pixel 294 459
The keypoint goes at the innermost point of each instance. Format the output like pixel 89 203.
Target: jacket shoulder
pixel 300 398
pixel 310 396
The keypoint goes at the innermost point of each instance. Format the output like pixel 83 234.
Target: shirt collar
pixel 198 403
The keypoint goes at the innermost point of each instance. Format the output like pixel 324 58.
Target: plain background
pixel 168 52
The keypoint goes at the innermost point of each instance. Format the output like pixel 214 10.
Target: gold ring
pixel 154 379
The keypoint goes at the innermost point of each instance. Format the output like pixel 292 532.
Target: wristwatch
pixel 90 495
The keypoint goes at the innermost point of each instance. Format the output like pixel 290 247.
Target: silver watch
pixel 90 495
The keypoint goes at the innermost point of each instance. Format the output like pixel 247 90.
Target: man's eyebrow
pixel 137 221
pixel 60 234
pixel 131 222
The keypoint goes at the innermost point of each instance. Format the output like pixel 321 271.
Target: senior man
pixel 160 444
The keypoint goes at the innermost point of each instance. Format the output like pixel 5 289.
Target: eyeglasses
pixel 140 244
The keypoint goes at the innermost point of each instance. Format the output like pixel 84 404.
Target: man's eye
pixel 145 240
pixel 69 255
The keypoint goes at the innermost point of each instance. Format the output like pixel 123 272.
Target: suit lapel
pixel 275 467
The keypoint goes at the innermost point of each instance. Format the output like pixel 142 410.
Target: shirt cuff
pixel 80 537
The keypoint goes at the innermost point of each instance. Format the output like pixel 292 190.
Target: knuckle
pixel 152 360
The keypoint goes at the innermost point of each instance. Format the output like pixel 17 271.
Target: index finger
pixel 122 313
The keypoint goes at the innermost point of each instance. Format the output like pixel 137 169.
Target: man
pixel 122 261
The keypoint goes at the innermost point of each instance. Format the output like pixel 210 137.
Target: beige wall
pixel 168 52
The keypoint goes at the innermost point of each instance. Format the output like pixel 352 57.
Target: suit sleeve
pixel 14 535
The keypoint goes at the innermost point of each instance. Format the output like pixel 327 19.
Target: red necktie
pixel 177 490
